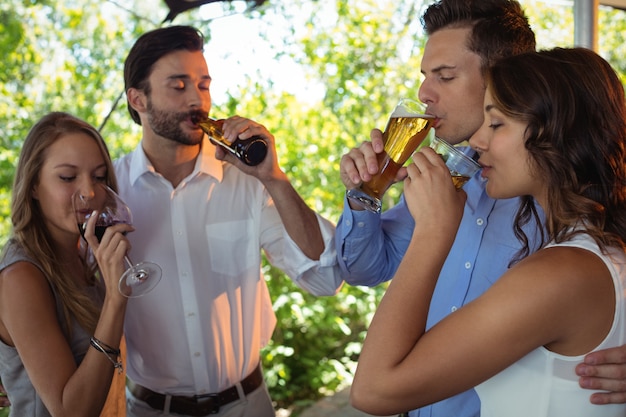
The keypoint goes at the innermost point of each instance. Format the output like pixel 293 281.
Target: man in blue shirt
pixel 464 37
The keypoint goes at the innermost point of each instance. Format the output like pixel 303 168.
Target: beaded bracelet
pixel 108 351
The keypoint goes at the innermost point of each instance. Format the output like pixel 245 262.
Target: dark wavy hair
pixel 574 105
pixel 499 27
pixel 149 48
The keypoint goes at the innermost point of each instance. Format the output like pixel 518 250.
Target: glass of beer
pixel 461 166
pixel 407 127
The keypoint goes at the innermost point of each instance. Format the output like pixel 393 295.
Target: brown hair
pixel 29 228
pixel 499 27
pixel 149 48
pixel 575 108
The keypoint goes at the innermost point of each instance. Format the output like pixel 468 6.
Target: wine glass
pixel 138 279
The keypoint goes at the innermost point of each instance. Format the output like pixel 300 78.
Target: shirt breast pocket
pixel 233 247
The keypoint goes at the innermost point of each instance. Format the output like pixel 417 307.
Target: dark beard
pixel 167 125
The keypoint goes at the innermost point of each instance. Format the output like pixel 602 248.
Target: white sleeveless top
pixel 543 383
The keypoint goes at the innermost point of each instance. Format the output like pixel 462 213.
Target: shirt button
pixel 348 222
pixel 453 309
pixel 480 222
pixel 468 265
pixel 360 224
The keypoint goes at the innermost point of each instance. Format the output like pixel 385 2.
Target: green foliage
pixel 357 58
pixel 317 340
pixel 366 55
pixel 612 40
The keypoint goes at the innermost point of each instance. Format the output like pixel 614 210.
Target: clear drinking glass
pixel 407 127
pixel 461 166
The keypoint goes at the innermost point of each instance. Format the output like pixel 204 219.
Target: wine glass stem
pixel 128 261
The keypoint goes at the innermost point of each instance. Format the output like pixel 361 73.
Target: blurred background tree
pixel 319 74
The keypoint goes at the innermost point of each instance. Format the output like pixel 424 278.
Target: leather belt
pixel 197 405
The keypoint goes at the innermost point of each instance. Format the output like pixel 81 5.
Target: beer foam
pixel 401 111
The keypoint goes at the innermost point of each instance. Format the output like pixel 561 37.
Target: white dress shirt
pixel 202 328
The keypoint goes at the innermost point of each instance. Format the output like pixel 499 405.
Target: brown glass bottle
pixel 251 151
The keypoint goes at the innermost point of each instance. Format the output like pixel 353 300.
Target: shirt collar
pixel 475 190
pixel 205 163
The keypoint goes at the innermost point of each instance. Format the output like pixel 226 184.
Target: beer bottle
pixel 251 151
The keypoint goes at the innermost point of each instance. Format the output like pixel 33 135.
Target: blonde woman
pixel 61 314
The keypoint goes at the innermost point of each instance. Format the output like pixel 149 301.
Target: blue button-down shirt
pixel 370 247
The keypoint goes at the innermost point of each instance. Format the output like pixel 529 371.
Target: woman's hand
pixel 110 251
pixel 432 199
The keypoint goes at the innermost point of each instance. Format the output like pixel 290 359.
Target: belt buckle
pixel 208 402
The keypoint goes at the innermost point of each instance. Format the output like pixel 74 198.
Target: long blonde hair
pixel 29 228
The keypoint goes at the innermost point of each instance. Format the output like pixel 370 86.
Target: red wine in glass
pixel 99 230
pixel 139 278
